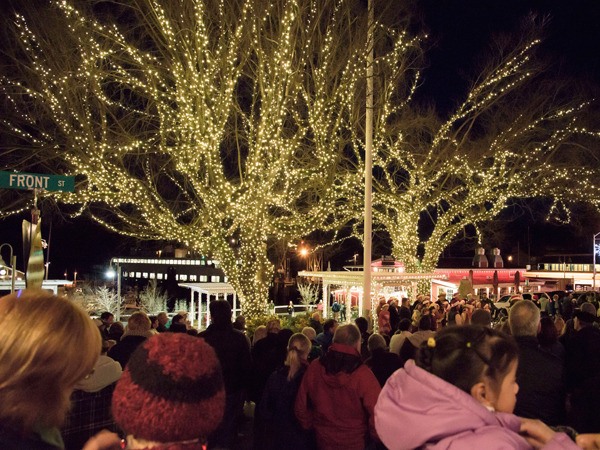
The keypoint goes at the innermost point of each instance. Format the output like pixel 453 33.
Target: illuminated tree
pixel 220 125
pixel 515 136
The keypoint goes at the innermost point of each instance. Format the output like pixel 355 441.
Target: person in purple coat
pixel 460 393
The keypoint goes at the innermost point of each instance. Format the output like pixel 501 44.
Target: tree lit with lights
pixel 226 125
pixel 220 125
pixel 515 136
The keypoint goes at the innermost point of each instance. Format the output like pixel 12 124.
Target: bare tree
pixel 309 292
pixel 152 299
pixel 106 299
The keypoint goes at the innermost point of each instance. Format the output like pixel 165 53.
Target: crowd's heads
pixel 172 390
pixel 220 312
pixel 376 341
pixel 348 334
pixel 47 344
pixel 240 323
pixel 586 313
pixel 259 333
pixel 163 318
pixel 309 332
pixel 329 326
pixel 404 325
pixel 463 355
pixel 362 324
pixel 273 326
pixel 298 348
pixel 425 323
pixel 138 323
pixel 107 318
pixel 548 333
pixel 524 318
pixel 481 317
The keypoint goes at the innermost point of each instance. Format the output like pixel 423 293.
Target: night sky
pixel 460 35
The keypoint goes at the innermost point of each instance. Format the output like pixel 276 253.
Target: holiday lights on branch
pixel 196 121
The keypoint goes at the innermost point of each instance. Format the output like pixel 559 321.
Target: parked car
pixel 502 306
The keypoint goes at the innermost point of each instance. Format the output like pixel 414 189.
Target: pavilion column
pixel 192 308
pixel 235 304
pixel 207 310
pixel 325 300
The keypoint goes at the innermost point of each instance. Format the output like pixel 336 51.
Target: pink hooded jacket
pixel 417 409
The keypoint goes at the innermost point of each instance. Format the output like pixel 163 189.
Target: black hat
pixel 586 313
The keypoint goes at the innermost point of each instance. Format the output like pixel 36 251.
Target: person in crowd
pixel 416 314
pixel 559 323
pixel 553 305
pixel 315 322
pixel 163 319
pixel 337 395
pixel 583 370
pixel 413 342
pixel 259 333
pixel 47 345
pixel 481 317
pixel 281 428
pixel 540 374
pixel 460 393
pixel 233 352
pixel 325 338
pixel 178 324
pixel 105 372
pixel 363 326
pixel 153 324
pixel 138 330
pixel 404 312
pixel 394 314
pixel 268 354
pixel 382 362
pixel 239 324
pixel 315 350
pixel 383 320
pixel 171 395
pixel 548 338
pixel 107 318
pixel 115 332
pixel 398 338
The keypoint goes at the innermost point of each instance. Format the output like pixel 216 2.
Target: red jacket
pixel 338 406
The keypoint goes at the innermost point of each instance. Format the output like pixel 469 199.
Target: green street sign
pixel 30 181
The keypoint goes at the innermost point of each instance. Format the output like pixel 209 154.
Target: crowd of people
pixel 436 375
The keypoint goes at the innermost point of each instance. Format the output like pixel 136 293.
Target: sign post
pixel 30 181
pixel 32 231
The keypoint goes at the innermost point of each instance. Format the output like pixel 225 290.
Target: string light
pixel 197 121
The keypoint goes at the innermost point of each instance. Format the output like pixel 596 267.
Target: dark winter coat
pixel 541 380
pixel 277 413
pixel 383 364
pixel 123 349
pixel 233 351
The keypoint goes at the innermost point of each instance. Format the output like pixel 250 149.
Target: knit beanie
pixel 171 390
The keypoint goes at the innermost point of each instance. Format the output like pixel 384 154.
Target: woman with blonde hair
pixel 279 427
pixel 47 344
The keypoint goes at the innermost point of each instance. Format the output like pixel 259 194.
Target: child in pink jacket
pixel 460 394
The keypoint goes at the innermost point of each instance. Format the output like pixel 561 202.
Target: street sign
pixel 30 181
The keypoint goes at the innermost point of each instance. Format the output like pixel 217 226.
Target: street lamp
pixel 596 247
pixel 13 264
